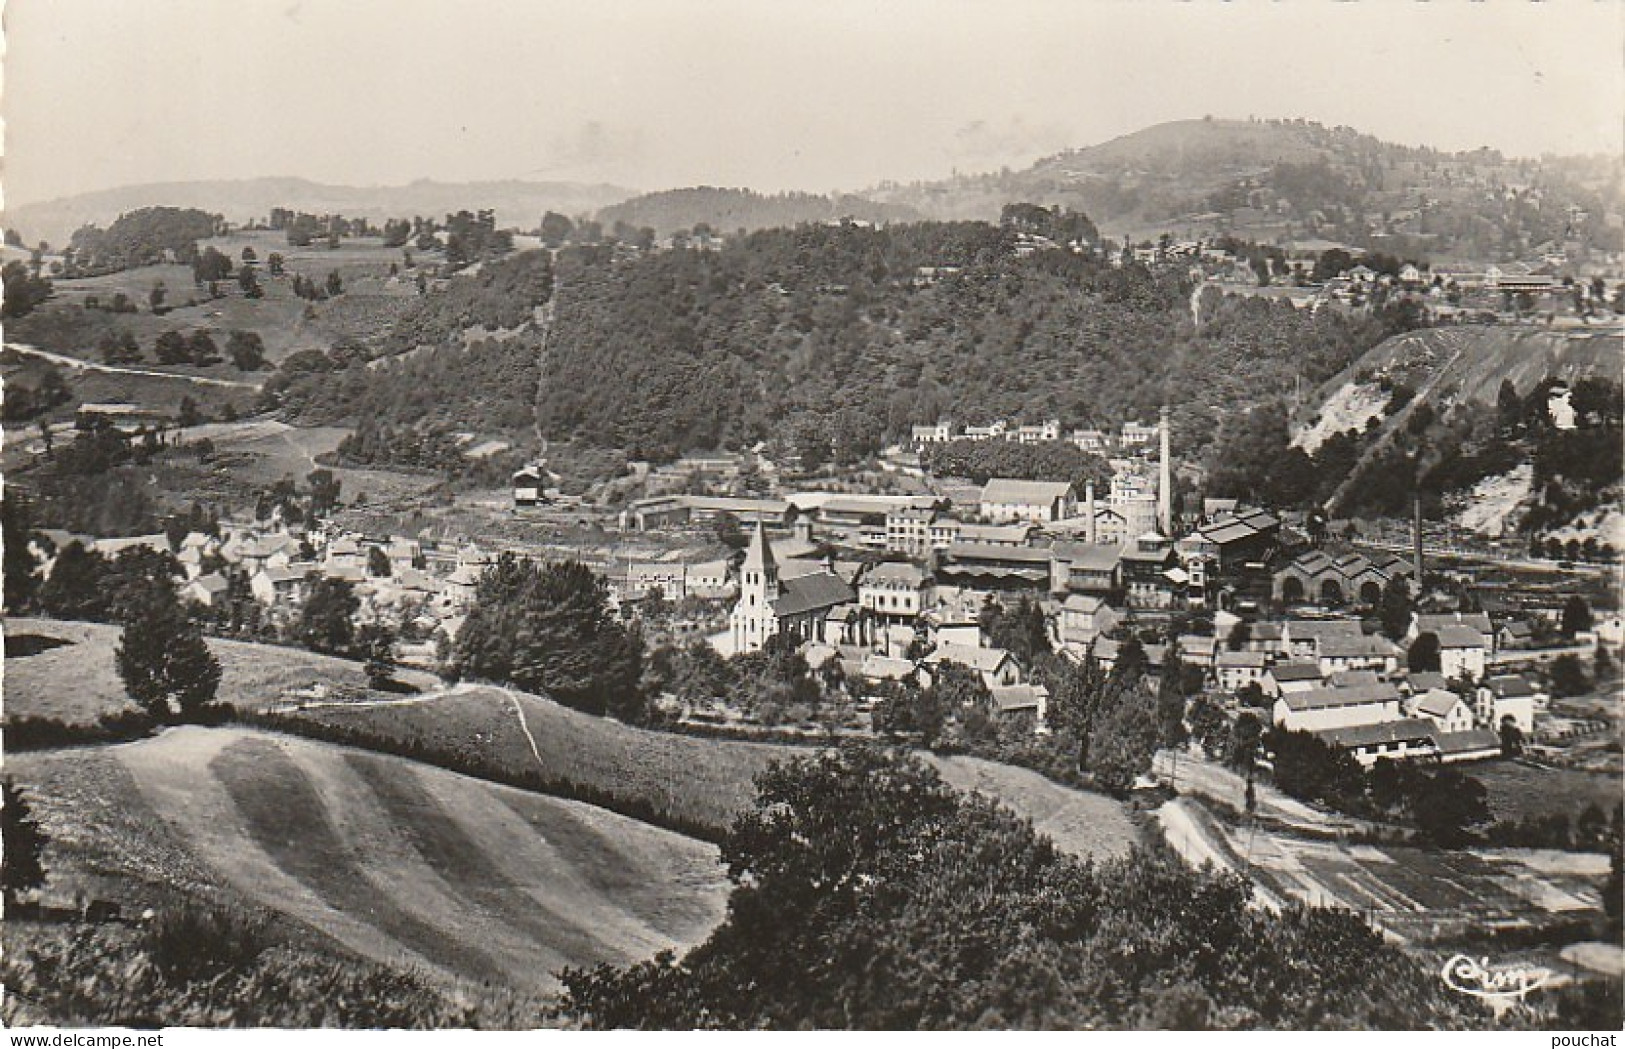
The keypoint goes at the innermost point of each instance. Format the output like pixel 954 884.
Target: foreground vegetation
pixel 868 895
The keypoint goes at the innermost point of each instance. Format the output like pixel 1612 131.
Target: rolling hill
pixel 517 203
pixel 401 863
pixel 1294 179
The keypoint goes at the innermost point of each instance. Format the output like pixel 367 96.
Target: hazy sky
pixel 817 94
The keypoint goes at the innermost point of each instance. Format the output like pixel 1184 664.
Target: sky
pixel 817 95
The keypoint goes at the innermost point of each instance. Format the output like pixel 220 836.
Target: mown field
pixel 401 863
pixel 77 683
pixel 700 782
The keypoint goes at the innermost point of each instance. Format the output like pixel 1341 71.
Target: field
pixel 1420 895
pixel 704 782
pixel 401 863
pixel 77 683
pixel 1517 790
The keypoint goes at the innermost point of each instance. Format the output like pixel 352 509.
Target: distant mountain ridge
pixel 517 203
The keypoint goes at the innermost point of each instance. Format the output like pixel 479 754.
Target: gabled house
pixel 1327 708
pixel 996 666
pixel 1364 652
pixel 1005 500
pixel 206 590
pixel 896 592
pixel 1397 740
pixel 1291 677
pixel 1462 652
pixel 1446 709
pixel 1236 670
pixel 1085 617
pixel 1510 696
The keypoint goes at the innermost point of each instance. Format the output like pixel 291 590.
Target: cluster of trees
pixel 473 237
pixel 868 894
pixel 32 392
pixel 980 461
pixel 139 238
pixel 1446 806
pixel 25 289
pixel 712 208
pixel 418 447
pixel 547 628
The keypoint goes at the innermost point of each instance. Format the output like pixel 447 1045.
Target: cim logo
pixel 1481 980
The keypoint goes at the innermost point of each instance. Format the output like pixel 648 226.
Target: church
pixel 815 606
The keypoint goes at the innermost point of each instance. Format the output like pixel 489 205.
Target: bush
pixel 190 943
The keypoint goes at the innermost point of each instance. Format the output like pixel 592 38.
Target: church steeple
pixel 760 569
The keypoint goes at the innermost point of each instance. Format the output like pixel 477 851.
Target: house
pixel 995 665
pixel 1151 573
pixel 1291 677
pixel 1515 634
pixel 908 531
pixel 1396 740
pixel 280 586
pixel 1462 652
pixel 669 577
pixel 1085 617
pixel 1236 670
pixel 1046 431
pixel 1423 623
pixel 1302 638
pixel 206 590
pixel 1476 744
pixel 1327 708
pixel 527 486
pixel 940 433
pixel 1005 500
pixel 1084 568
pixel 1021 699
pixel 896 592
pixel 1509 696
pixel 1267 638
pixel 1091 440
pixel 1364 652
pixel 709 579
pixel 1446 709
pixel 1135 433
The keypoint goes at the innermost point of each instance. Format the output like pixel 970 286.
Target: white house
pixel 1362 652
pixel 1236 670
pixel 1446 709
pixel 1396 740
pixel 1336 708
pixel 996 666
pixel 896 591
pixel 1462 652
pixel 1004 500
pixel 1509 696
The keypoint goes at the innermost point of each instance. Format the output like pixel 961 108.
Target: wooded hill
pixel 1296 179
pixel 823 338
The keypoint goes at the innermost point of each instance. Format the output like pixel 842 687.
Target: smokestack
pixel 1416 540
pixel 1091 529
pixel 1165 481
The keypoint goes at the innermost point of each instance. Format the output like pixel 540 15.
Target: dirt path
pixel 80 364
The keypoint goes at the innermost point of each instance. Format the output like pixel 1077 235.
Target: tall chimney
pixel 1416 540
pixel 1165 481
pixel 1091 529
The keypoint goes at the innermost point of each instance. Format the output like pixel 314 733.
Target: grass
pixel 1517 791
pixel 76 683
pixel 696 782
pixel 410 865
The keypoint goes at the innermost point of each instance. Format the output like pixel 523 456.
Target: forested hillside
pixel 1284 179
pixel 822 338
pixel 731 210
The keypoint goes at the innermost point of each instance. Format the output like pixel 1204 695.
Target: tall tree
pixel 22 843
pixel 327 619
pixel 1395 608
pixel 163 660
